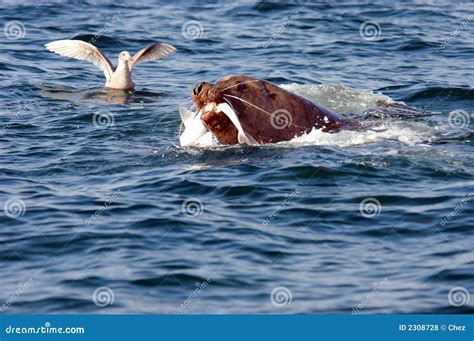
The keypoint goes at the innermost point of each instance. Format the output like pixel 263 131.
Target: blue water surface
pixel 104 212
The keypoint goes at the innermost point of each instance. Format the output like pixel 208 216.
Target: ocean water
pixel 102 211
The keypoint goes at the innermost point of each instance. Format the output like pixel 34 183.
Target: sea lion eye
pixel 240 86
pixel 197 90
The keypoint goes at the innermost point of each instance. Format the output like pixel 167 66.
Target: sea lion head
pixel 244 109
pixel 204 92
pixel 207 97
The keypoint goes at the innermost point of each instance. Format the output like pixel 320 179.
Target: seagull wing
pixel 81 50
pixel 152 52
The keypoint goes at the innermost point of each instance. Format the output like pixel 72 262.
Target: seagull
pixel 119 77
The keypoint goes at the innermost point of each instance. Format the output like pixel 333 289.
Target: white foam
pixel 410 135
pixel 339 98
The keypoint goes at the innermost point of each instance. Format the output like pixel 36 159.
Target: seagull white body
pixel 119 77
pixel 122 76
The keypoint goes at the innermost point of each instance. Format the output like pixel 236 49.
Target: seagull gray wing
pixel 152 52
pixel 81 50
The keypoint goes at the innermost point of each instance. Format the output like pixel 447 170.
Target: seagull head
pixel 125 56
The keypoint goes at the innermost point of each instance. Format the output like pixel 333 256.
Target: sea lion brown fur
pixel 267 113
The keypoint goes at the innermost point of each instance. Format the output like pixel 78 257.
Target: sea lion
pixel 243 109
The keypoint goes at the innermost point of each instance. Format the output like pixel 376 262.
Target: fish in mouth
pixel 248 110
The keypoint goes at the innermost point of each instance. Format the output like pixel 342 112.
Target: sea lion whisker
pixel 266 112
pixel 189 105
pixel 233 86
pixel 230 104
pixel 253 105
pixel 188 101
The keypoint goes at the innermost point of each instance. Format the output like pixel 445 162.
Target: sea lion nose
pixel 197 90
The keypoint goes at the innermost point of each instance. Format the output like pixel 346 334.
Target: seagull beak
pixel 131 59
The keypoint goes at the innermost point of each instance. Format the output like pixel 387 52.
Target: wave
pixel 339 98
pixel 453 93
